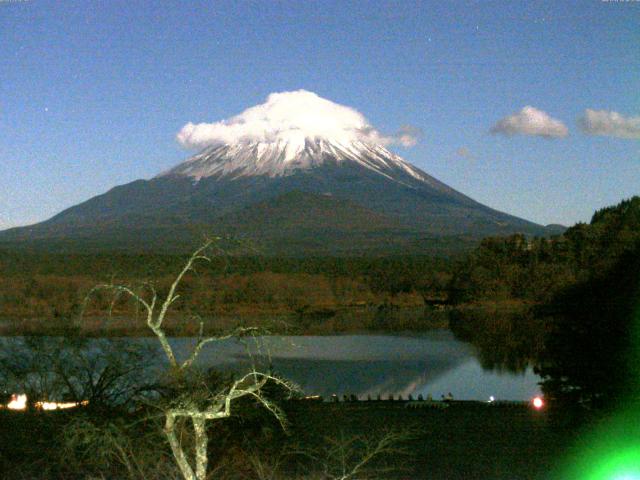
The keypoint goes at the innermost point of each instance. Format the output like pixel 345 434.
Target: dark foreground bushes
pixel 85 444
pixel 323 440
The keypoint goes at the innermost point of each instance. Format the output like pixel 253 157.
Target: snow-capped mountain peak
pixel 289 132
pixel 298 174
pixel 279 158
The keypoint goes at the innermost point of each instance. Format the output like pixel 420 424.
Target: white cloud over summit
pixel 292 117
pixel 531 121
pixel 612 124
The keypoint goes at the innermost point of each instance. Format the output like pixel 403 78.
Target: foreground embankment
pixel 456 440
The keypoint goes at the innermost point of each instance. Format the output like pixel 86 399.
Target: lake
pixel 431 363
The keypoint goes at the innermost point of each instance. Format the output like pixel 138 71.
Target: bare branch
pixel 350 458
pixel 171 296
pixel 238 332
pixel 121 289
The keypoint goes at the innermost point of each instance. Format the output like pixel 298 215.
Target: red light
pixel 538 403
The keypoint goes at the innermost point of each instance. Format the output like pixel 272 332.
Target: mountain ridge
pixel 377 198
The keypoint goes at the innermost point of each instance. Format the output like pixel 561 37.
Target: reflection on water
pixel 503 341
pixel 474 383
pixel 434 363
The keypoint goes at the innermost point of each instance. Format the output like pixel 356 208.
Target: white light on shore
pixel 59 405
pixel 18 402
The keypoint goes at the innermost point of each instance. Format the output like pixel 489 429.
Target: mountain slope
pixel 314 196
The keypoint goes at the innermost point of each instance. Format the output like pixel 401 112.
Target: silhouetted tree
pixel 591 352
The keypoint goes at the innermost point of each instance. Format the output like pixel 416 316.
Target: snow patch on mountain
pixel 290 132
pixel 280 158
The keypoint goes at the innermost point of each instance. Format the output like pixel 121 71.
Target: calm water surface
pixel 433 363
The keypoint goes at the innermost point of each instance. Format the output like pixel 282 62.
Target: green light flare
pixel 611 450
pixel 624 465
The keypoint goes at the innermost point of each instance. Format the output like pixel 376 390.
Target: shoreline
pixel 382 319
pixel 343 321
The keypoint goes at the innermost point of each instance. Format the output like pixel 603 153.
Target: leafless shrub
pixel 192 401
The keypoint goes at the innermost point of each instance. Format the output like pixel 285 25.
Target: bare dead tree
pixel 351 457
pixel 196 409
pixel 338 457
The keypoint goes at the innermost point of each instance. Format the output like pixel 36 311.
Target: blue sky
pixel 93 93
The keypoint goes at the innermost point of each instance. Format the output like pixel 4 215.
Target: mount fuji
pixel 297 175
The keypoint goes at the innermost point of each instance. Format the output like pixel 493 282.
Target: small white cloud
pixel 533 122
pixel 464 152
pixel 611 124
pixel 407 136
pixel 292 117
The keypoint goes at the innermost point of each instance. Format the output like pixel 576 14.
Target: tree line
pixel 582 290
pixel 536 269
pixel 53 286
